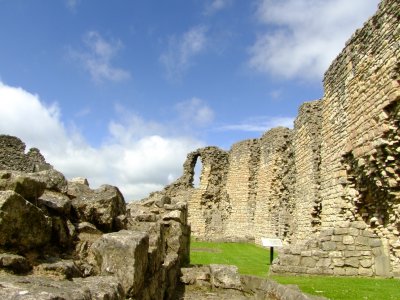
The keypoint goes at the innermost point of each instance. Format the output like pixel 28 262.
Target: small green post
pixel 271 255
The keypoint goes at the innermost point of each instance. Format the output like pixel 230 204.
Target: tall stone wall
pixel 307 146
pixel 274 190
pixel 329 188
pixel 359 160
pixel 241 184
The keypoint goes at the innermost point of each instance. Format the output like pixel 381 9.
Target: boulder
pixel 22 225
pixel 122 254
pixel 14 263
pixel 52 179
pixel 100 207
pixel 56 202
pixel 28 187
pixel 227 277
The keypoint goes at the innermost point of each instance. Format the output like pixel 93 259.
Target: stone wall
pixel 13 156
pixel 333 179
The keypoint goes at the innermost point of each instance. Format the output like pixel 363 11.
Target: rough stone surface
pixel 122 254
pixel 22 225
pixel 58 235
pixel 100 207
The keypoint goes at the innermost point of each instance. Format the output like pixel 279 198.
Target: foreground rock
pixel 64 240
pixel 224 282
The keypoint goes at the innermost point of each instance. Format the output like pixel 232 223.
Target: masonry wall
pixel 240 187
pixel 359 160
pixel 307 147
pixel 274 190
pixel 329 188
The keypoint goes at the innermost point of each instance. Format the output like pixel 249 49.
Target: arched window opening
pixel 197 173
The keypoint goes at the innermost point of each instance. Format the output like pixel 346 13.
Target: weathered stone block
pixel 328 246
pixel 226 277
pixel 122 254
pixel 362 240
pixel 365 271
pixel 348 240
pixel 352 262
pixel 22 225
pixel 351 271
pixel 382 266
pixel 308 262
pixel 375 242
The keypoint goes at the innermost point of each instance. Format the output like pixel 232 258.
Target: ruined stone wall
pixel 241 186
pixel 307 160
pixel 359 167
pixel 274 191
pixel 331 186
pixel 13 156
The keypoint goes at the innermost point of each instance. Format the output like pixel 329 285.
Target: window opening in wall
pixel 197 173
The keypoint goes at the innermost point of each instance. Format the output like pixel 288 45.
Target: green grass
pixel 249 258
pixel 254 260
pixel 345 288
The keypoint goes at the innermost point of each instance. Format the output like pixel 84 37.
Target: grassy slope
pixel 252 259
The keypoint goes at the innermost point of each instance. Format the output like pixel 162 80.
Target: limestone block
pixel 100 207
pixel 22 225
pixel 382 266
pixel 223 276
pixel 352 262
pixel 362 240
pixel 351 271
pixel 55 201
pixel 122 254
pixel 348 240
pixel 308 262
pixel 341 231
pixel 23 184
pixel 328 246
pixel 365 271
pixel 338 262
pixel 366 263
pixel 375 242
pixel 359 225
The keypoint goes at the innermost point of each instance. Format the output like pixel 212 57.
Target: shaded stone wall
pixel 13 156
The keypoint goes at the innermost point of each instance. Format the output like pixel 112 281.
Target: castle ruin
pixel 330 187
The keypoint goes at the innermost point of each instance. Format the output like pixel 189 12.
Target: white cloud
pixel 303 37
pixel 96 59
pixel 214 6
pixel 72 4
pixel 138 156
pixel 195 112
pixel 259 124
pixel 181 51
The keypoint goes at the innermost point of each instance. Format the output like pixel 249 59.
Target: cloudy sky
pixel 120 91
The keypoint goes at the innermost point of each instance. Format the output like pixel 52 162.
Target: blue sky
pixel 120 91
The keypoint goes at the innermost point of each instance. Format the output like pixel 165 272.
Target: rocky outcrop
pixel 60 239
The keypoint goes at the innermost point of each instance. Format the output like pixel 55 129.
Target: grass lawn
pixel 254 260
pixel 249 258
